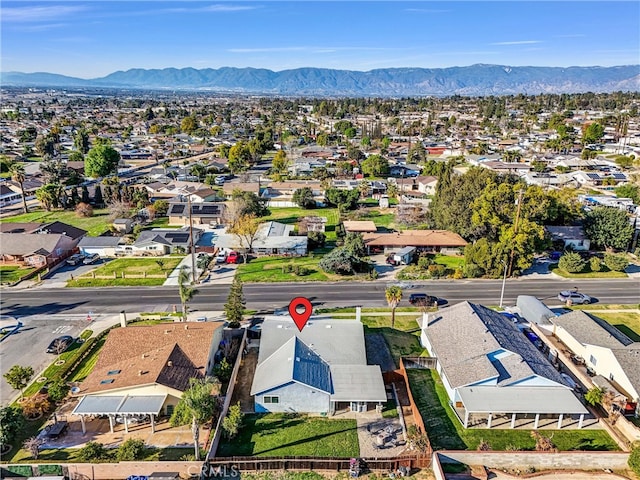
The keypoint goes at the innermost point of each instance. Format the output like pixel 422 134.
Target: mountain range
pixel 471 80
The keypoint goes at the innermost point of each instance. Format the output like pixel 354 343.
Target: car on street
pixel 574 297
pixel 422 299
pixel 60 344
pixel 89 259
pixel 219 180
pixel 232 257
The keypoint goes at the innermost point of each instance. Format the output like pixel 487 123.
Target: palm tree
pixel 201 405
pixel 18 175
pixel 393 295
pixel 186 292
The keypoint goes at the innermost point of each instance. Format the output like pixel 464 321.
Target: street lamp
pixel 504 281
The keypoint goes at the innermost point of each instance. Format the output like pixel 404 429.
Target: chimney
pixel 123 319
pixel 358 313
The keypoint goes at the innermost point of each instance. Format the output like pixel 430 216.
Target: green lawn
pixel 446 432
pixel 128 266
pixel 385 220
pixel 71 455
pixel 627 322
pixel 293 214
pixel 86 365
pixel 272 269
pixel 95 226
pixel 605 273
pixel 12 273
pixel 449 261
pixel 272 435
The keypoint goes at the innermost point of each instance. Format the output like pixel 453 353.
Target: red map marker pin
pixel 300 319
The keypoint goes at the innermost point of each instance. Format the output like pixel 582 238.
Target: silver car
pixel 575 297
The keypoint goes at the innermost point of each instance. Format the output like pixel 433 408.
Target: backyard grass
pixel 293 214
pixel 71 455
pixel 95 225
pixel 627 322
pixel 128 266
pixel 446 432
pixel 86 365
pixel 293 435
pixel 13 273
pixel 605 273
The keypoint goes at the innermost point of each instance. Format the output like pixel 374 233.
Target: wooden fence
pixel 417 417
pixel 420 362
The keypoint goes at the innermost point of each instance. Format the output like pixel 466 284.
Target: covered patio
pixel 120 408
pixel 514 407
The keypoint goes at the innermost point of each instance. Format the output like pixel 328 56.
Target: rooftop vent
pixel 169 363
pixel 167 332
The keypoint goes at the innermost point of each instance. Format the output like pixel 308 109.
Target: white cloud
pixel 40 13
pixel 517 42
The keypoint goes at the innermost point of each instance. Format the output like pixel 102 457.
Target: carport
pixel 491 400
pixel 120 406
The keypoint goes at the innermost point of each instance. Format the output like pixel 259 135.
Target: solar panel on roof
pixel 209 209
pixel 177 208
pixel 177 237
pixel 619 176
pixel 593 176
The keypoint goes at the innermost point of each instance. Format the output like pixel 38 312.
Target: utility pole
pixel 192 250
pixel 515 229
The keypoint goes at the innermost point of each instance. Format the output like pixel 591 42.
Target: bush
pixel 301 271
pixel 595 264
pixel 84 210
pixel 634 458
pixel 458 274
pixel 424 262
pixel 131 449
pixel 316 239
pixel 616 262
pixel 92 451
pixel 57 390
pixel 437 271
pixel 572 263
pixel 471 270
pixel 339 261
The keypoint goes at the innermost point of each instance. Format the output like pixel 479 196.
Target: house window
pixel 271 399
pixel 170 409
pixel 593 360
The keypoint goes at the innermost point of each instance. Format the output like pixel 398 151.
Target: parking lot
pixel 27 347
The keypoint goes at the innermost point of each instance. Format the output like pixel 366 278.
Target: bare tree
pixel 32 445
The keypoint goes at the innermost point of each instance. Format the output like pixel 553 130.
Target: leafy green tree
pixel 340 261
pixel 280 163
pixel 19 175
pixel 375 165
pixel 130 450
pixel 304 198
pixel 188 125
pixel 18 377
pixel 616 262
pixel 101 161
pixel 322 139
pixel 92 452
pixel 249 203
pixel 58 390
pixel 161 207
pixel 239 157
pixel 246 228
pixel 316 239
pixel 630 190
pixel 185 290
pixel 608 227
pixel 11 423
pixel 354 244
pixel 592 133
pixel 393 295
pixel 223 369
pixel 81 141
pixel 595 264
pixel 234 308
pixel 45 145
pixel 572 262
pixel 634 458
pixel 201 404
pixel 594 396
pixel 343 199
pixel 233 421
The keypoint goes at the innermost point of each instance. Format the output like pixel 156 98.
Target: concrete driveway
pixel 60 277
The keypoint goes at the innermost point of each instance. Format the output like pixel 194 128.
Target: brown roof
pixel 168 354
pixel 359 226
pixel 415 238
pixel 21 227
pixel 229 188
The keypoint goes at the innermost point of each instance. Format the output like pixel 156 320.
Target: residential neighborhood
pixel 472 267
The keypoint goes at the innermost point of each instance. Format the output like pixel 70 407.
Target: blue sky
pixel 90 38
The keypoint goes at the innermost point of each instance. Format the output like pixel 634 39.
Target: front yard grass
pixel 275 434
pixel 13 273
pixel 272 269
pixel 95 225
pixel 605 273
pixel 293 214
pixel 627 322
pixel 446 432
pixel 128 266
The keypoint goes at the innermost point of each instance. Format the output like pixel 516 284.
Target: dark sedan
pixel 60 344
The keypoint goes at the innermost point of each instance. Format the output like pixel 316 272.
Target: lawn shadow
pixel 628 332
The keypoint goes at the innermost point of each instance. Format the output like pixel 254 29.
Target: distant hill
pixel 472 80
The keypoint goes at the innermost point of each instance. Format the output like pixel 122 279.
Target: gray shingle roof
pixel 100 242
pixel 25 243
pixel 591 330
pixel 474 343
pixel 629 360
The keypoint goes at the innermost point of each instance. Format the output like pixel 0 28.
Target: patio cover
pixel 536 399
pixel 119 405
pixel 357 383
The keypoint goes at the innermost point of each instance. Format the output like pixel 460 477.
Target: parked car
pixel 391 259
pixel 89 259
pixel 575 297
pixel 60 344
pixel 219 180
pixel 221 257
pixel 75 259
pixel 422 299
pixel 232 257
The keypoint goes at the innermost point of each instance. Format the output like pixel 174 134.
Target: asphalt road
pixel 19 303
